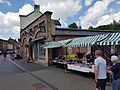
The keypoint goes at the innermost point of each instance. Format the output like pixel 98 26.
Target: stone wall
pixel 25 36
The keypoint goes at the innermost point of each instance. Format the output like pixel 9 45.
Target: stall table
pixel 80 67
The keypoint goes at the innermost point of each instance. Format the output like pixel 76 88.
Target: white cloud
pixel 9 27
pixel 107 19
pixel 10 20
pixel 88 2
pixel 5 2
pixel 61 8
pixel 26 9
pixel 94 12
pixel 118 2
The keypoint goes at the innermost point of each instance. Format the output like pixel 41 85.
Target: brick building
pixel 3 44
pixel 37 29
pixel 13 44
pixel 9 44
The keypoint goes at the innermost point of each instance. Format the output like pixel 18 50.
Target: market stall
pixel 88 57
pixel 73 63
pixel 109 46
pixel 99 42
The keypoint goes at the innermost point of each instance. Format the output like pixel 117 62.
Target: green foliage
pixel 113 26
pixel 91 27
pixel 73 25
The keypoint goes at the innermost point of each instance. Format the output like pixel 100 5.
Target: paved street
pixel 13 77
pixel 19 75
pixel 6 67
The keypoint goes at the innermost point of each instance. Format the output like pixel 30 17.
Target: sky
pixel 85 13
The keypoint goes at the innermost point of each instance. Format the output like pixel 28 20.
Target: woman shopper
pixel 115 72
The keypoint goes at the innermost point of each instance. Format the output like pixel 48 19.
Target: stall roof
pixel 56 44
pixel 53 44
pixel 104 39
pixel 114 39
pixel 86 41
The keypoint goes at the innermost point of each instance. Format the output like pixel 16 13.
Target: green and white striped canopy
pixel 56 44
pixel 113 39
pixel 53 44
pixel 104 39
pixel 86 41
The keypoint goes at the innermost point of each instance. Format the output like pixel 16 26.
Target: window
pixel 41 51
pixel 42 29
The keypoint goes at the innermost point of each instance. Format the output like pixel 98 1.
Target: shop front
pixel 38 51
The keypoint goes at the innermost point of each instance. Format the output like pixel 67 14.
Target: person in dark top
pixel 115 72
pixel 4 54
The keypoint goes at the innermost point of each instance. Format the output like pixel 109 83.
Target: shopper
pixel 5 54
pixel 115 72
pixel 100 71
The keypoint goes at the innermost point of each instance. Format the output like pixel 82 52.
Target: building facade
pixel 35 33
pixel 37 29
pixel 9 45
pixel 3 44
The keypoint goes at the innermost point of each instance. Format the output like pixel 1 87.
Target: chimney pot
pixel 36 8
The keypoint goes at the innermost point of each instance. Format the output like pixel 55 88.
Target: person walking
pixel 5 54
pixel 100 71
pixel 115 72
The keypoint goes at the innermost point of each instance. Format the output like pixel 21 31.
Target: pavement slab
pixel 66 80
pixel 29 66
pixel 35 74
pixel 21 81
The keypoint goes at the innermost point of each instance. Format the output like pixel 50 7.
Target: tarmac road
pixel 12 76
pixel 7 68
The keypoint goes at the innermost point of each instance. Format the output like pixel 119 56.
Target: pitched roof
pixel 3 40
pixel 78 32
pixel 57 22
pixel 36 20
pixel 29 14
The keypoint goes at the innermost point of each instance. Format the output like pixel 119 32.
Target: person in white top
pixel 100 71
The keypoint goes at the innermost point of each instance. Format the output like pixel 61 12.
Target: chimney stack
pixel 36 7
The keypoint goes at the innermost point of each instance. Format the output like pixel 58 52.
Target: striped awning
pixel 86 41
pixel 53 44
pixel 56 44
pixel 113 39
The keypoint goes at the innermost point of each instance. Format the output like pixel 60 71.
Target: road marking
pixel 38 78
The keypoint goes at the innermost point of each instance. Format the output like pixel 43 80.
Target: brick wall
pixel 75 49
pixel 1 45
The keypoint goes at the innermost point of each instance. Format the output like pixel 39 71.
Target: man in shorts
pixel 100 71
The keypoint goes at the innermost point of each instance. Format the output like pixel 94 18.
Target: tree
pixel 91 27
pixel 113 26
pixel 73 25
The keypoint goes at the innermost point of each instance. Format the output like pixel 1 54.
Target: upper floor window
pixel 42 29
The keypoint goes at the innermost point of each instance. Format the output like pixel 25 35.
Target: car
pixel 0 52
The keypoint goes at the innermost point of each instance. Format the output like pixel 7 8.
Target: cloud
pixel 94 12
pixel 61 8
pixel 26 9
pixel 107 19
pixel 118 2
pixel 5 2
pixel 88 2
pixel 10 20
pixel 10 25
